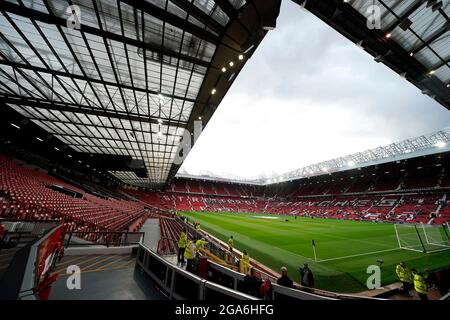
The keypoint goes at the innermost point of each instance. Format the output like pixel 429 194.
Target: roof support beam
pixel 445 28
pixel 198 14
pixel 441 64
pixel 81 77
pixel 408 12
pixel 52 19
pixel 66 107
pixel 226 7
pixel 174 20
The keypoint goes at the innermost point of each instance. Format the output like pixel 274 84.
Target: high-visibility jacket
pixel 404 274
pixel 230 243
pixel 187 253
pixel 419 284
pixel 182 241
pixel 246 259
pixel 199 244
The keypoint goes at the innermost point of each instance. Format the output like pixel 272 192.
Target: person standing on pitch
pixel 420 285
pixel 405 276
pixel 230 244
pixel 182 242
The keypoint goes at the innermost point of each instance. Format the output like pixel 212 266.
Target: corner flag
pixel 314 250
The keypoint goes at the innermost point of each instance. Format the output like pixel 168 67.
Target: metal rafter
pixel 128 81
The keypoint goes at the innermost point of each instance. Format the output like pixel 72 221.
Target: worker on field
pixel 182 243
pixel 230 244
pixel 420 285
pixel 245 261
pixel 189 254
pixel 405 276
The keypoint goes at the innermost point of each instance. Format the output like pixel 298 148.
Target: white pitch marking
pixel 360 254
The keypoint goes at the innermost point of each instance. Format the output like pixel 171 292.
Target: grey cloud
pixel 309 94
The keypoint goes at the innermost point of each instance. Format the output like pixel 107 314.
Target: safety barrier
pixel 28 267
pixel 105 238
pixel 179 284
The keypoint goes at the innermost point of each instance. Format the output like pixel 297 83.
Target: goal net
pixel 422 237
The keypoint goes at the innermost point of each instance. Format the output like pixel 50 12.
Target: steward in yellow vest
pixel 405 276
pixel 189 254
pixel 200 244
pixel 182 242
pixel 420 285
pixel 245 262
pixel 231 243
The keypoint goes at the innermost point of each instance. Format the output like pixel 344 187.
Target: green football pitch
pixel 344 248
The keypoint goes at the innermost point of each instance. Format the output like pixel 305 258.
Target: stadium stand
pixel 94 174
pixel 29 194
pixel 413 193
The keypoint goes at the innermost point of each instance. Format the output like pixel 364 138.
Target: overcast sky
pixel 308 95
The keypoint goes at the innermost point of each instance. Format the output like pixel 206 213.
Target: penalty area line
pixel 358 255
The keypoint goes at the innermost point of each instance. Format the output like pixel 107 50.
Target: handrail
pixel 176 282
pixel 106 238
pixel 446 297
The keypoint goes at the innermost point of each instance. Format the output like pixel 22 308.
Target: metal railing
pixel 179 284
pixel 21 277
pixel 103 238
pixel 19 233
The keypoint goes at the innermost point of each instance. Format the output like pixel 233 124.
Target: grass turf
pixel 345 248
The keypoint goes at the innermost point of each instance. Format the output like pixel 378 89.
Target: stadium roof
pixel 413 39
pixel 428 144
pixel 126 78
pixel 436 142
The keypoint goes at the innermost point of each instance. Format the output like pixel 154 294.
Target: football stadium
pixel 106 194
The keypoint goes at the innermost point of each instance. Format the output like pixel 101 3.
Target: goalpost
pixel 422 237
